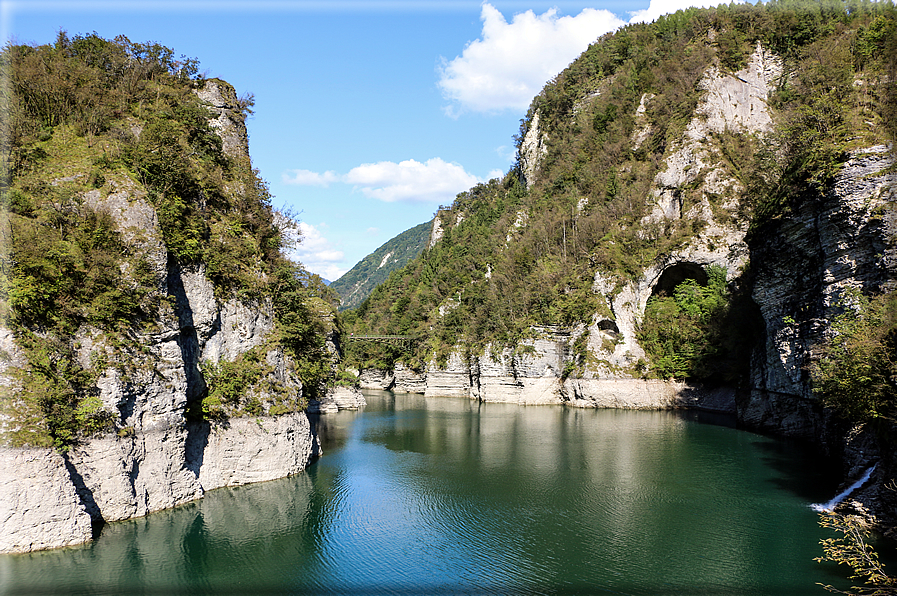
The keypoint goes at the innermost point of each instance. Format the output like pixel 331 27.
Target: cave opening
pixel 674 275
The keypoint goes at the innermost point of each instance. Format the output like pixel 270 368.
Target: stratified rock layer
pixel 39 506
pixel 803 265
pixel 155 459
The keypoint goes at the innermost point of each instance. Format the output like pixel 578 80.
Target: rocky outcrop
pixel 532 150
pixel 535 375
pixel 337 398
pixel 154 459
pixel 732 102
pixel 376 379
pixel 647 394
pixel 436 231
pixel 123 477
pixel 48 500
pixel 451 380
pixel 407 380
pixel 246 450
pixel 802 267
pixel 228 121
pixel 39 506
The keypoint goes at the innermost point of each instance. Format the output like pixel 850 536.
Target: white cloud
pixel 507 152
pixel 434 180
pixel 511 62
pixel 373 231
pixel 657 8
pixel 309 178
pixel 317 253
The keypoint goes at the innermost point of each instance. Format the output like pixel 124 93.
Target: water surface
pixel 446 496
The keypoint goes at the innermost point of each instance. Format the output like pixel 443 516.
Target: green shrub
pixel 53 406
pixel 856 372
pixel 229 384
pixel 700 332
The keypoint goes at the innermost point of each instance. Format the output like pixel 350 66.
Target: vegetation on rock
pixel 856 373
pixel 517 254
pixel 700 332
pixel 358 283
pixel 87 118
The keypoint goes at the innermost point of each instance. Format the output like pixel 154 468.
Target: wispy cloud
pixel 511 62
pixel 434 180
pixel 657 8
pixel 317 253
pixel 309 178
pixel 431 181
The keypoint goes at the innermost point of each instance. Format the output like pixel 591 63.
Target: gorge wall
pixel 156 458
pixel 795 270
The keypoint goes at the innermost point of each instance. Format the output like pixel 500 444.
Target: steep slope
pixel 694 204
pixel 147 307
pixel 358 283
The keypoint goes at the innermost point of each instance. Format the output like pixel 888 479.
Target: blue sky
pixel 368 114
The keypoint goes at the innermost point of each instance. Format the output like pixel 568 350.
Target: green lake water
pixel 449 496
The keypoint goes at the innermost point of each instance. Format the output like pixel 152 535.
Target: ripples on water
pixel 443 495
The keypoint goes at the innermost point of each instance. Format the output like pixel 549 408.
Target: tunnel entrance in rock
pixel 608 325
pixel 674 275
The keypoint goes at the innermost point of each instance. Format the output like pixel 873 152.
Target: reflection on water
pixel 446 495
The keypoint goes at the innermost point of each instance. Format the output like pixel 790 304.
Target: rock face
pixel 735 103
pixel 156 459
pixel 228 123
pixel 120 478
pixel 536 373
pixel 337 398
pixel 534 376
pixel 39 506
pixel 803 265
pixel 250 449
pixel 533 150
pixel 376 379
pixel 407 380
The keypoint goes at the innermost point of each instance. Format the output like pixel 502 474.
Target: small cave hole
pixel 608 325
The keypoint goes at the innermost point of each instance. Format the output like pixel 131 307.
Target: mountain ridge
pixel 355 285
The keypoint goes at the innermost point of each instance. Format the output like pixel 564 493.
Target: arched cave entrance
pixel 674 275
pixel 608 326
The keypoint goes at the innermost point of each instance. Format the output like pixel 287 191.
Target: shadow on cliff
pixel 87 499
pixel 195 446
pixel 188 342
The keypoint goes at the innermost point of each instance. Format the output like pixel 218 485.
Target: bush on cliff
pixel 513 256
pixel 700 332
pixel 83 118
pixel 856 373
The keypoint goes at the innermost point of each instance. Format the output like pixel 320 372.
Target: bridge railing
pixel 404 341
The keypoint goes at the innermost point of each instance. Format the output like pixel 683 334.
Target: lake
pixel 419 495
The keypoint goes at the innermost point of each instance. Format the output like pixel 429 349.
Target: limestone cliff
pixel 537 371
pixel 693 200
pixel 154 457
pixel 802 266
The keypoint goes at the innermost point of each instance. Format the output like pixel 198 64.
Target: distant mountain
pixel 358 283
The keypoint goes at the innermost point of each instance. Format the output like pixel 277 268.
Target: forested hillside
pixel 358 283
pixel 122 185
pixel 622 166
